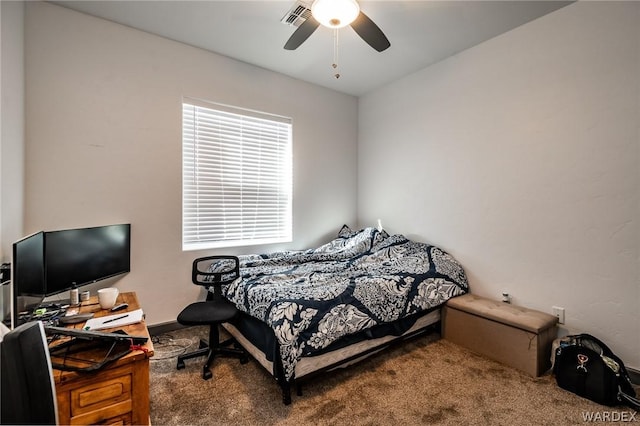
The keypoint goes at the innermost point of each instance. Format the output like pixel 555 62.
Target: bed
pixel 307 312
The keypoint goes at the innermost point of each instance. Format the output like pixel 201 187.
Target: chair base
pixel 211 352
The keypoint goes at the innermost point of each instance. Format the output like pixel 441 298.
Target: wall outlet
pixel 559 312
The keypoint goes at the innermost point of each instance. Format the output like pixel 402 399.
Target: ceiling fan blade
pixel 370 32
pixel 302 33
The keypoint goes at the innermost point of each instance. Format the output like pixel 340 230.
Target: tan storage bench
pixel 513 335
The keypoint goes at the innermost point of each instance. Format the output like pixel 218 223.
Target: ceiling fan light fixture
pixel 335 13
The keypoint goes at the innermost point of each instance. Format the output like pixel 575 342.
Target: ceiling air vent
pixel 298 13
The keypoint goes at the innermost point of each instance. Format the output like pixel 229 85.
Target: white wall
pixel 521 157
pixel 11 133
pixel 103 142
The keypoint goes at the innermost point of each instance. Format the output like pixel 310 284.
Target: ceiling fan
pixel 337 14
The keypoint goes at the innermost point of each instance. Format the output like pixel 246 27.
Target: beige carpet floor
pixel 427 381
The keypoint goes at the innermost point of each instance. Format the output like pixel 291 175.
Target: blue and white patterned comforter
pixel 314 297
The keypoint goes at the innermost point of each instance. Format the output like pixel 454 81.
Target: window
pixel 236 176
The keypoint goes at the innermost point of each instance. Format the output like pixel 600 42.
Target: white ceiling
pixel 421 33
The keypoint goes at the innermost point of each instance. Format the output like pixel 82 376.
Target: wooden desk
pixel 115 394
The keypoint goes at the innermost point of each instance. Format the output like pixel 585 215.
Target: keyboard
pixel 93 335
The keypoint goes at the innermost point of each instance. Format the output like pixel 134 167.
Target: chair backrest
pixel 214 271
pixel 28 390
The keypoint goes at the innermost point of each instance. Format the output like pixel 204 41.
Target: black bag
pixel 587 367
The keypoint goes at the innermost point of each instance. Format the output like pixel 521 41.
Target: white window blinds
pixel 236 177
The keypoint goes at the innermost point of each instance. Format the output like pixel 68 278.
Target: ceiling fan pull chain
pixel 335 53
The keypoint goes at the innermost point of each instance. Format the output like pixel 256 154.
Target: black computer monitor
pixel 28 277
pixel 86 255
pixel 51 262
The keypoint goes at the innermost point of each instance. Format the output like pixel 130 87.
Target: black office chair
pixel 214 311
pixel 28 390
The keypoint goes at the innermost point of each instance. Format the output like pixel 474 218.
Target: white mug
pixel 107 297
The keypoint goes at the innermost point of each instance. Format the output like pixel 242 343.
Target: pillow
pixel 345 231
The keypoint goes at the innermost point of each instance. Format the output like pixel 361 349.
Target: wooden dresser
pixel 117 394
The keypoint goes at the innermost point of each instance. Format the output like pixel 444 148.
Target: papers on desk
pixel 118 320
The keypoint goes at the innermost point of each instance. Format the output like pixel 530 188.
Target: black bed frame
pixel 287 385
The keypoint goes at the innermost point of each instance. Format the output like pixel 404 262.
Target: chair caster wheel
pixel 207 374
pixel 180 365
